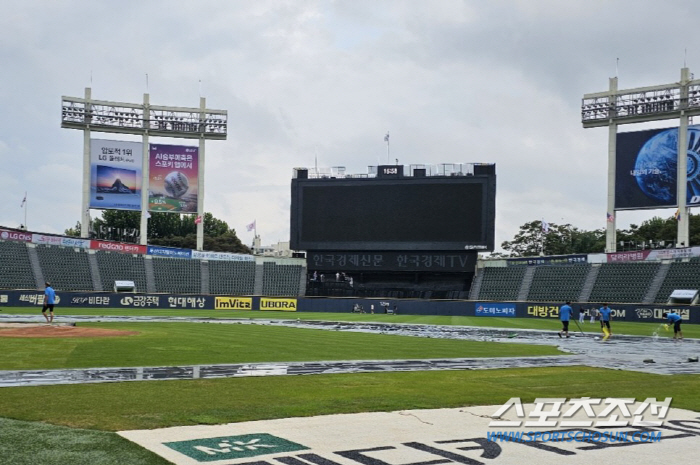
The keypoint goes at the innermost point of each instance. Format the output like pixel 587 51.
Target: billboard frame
pixel 680 100
pixel 145 120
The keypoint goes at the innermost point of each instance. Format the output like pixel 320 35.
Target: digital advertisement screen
pixel 422 213
pixel 115 174
pixel 646 168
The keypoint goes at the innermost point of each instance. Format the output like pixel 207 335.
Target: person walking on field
pixel 581 314
pixel 605 314
pixel 565 314
pixel 49 301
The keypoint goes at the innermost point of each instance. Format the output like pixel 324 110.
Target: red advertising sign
pixel 7 235
pixel 632 256
pixel 118 247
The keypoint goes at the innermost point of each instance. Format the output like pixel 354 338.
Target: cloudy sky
pixel 453 81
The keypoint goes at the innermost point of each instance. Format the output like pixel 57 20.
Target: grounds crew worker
pixel 675 319
pixel 49 301
pixel 565 314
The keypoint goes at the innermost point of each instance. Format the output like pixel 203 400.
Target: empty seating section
pixel 681 275
pixel 623 282
pixel 232 278
pixel 17 269
pixel 121 267
pixel 558 283
pixel 501 283
pixel 177 275
pixel 67 269
pixel 281 280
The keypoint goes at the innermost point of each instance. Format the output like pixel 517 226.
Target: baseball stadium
pixel 387 345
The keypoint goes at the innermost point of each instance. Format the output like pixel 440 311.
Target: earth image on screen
pixel 656 165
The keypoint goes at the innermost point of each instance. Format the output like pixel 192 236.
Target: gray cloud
pixel 454 81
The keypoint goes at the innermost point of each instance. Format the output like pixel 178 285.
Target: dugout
pixel 684 296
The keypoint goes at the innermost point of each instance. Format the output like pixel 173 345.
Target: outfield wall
pixel 66 300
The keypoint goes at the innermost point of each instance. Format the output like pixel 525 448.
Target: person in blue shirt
pixel 49 301
pixel 565 314
pixel 605 314
pixel 675 319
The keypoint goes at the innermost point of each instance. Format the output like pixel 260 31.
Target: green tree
pixel 561 239
pixel 657 230
pixel 566 239
pixel 527 242
pixel 589 241
pixel 74 231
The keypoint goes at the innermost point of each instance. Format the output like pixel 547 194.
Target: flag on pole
pixel 24 200
pixel 611 218
pixel 251 226
pixel 198 220
pixel 545 227
pixel 677 215
pixel 386 138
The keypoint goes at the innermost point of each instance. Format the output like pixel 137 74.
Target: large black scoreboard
pixel 393 212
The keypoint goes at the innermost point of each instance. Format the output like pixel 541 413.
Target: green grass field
pixel 163 344
pixel 75 423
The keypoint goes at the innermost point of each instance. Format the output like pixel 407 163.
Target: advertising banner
pixel 115 174
pixel 47 240
pixel 630 256
pixel 27 298
pixel 551 260
pixel 674 254
pixel 280 305
pixel 654 255
pixel 169 252
pixel 493 309
pixel 227 256
pixel 75 242
pixel 643 313
pixel 62 241
pixel 173 178
pixel 391 261
pixel 233 303
pixel 9 235
pixel 646 169
pixel 118 247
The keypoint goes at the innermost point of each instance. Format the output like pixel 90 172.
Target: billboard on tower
pixel 646 170
pixel 173 178
pixel 115 174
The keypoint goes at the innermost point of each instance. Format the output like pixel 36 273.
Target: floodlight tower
pixel 146 120
pixel 679 100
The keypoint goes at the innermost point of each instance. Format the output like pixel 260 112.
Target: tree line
pixel 164 229
pixel 564 239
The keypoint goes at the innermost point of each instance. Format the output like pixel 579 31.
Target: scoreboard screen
pixel 394 213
